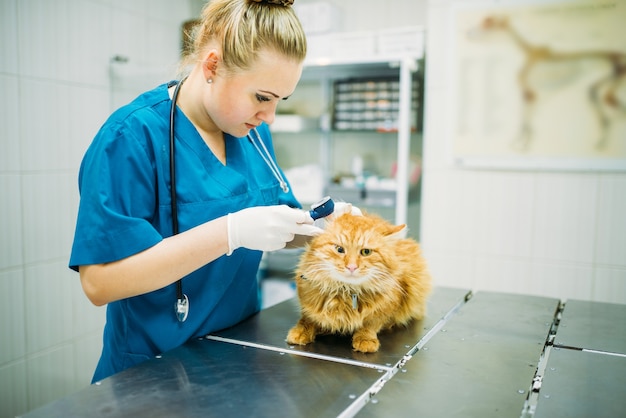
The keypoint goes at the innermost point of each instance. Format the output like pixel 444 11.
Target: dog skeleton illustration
pixel 602 93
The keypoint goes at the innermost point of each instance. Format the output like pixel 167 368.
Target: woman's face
pixel 239 102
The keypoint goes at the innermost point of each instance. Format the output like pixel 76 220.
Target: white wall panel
pixel 451 270
pixel 162 51
pixel 504 212
pixel 609 284
pixel 44 31
pixel 13 389
pixel 129 36
pixel 451 196
pixel 12 322
pixel 83 125
pixel 136 6
pixel 11 240
pixel 565 217
pixel 86 354
pixel 50 375
pixel 610 235
pixel 562 280
pixel 503 274
pixel 8 37
pixel 9 124
pixel 48 220
pixel 89 42
pixel 44 125
pixel 437 46
pixel 48 305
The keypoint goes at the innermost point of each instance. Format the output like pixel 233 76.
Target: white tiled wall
pixel 54 76
pixel 559 234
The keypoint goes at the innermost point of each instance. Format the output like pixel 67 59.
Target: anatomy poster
pixel 539 84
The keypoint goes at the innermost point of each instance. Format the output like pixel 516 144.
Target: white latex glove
pixel 342 208
pixel 267 228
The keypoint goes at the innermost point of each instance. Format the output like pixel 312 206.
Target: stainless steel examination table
pixel 476 354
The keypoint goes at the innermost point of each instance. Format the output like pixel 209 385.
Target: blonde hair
pixel 244 27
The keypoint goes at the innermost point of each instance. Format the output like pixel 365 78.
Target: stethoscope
pixel 318 210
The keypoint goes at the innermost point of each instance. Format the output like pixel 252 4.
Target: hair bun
pixel 280 2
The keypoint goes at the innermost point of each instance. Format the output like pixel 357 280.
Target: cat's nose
pixel 352 267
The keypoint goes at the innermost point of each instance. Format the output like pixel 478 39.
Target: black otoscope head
pixel 323 208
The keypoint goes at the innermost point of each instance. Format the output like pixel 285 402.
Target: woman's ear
pixel 209 64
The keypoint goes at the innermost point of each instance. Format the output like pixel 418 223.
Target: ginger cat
pixel 359 277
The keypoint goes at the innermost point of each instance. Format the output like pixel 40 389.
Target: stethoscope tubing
pixel 181 308
pixel 182 301
pixel 267 157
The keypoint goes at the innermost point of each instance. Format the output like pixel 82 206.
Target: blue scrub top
pixel 124 182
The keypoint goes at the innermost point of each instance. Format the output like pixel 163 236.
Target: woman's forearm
pixel 156 267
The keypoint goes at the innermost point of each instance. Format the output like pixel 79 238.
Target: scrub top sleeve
pixel 118 202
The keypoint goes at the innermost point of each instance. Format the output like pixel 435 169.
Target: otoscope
pixel 322 208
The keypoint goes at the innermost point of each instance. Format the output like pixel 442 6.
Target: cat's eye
pixel 365 252
pixel 340 249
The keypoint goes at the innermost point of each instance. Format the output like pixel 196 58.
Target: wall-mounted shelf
pixel 401 68
pixel 295 123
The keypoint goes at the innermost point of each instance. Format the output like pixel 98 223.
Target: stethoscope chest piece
pixel 182 308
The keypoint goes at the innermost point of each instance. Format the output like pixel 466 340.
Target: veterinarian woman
pixel 231 199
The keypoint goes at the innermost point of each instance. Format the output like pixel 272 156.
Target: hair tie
pixel 279 2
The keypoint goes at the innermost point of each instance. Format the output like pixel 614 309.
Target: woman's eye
pixel 262 99
pixel 366 252
pixel 340 250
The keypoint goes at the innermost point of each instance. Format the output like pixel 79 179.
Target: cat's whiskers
pixel 383 281
pixel 326 275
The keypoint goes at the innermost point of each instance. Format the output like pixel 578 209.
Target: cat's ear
pixel 397 231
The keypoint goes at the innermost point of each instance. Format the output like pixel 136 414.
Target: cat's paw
pixel 365 345
pixel 300 335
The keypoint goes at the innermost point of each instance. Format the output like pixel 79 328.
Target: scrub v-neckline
pixel 234 171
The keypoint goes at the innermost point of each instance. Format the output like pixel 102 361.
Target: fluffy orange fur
pixel 359 277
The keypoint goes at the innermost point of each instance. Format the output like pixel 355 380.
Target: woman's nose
pixel 268 114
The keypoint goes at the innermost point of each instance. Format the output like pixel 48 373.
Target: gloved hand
pixel 343 208
pixel 267 228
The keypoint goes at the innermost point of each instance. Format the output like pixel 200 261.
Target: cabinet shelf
pixel 363 196
pixel 295 123
pixel 402 69
pixel 335 69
